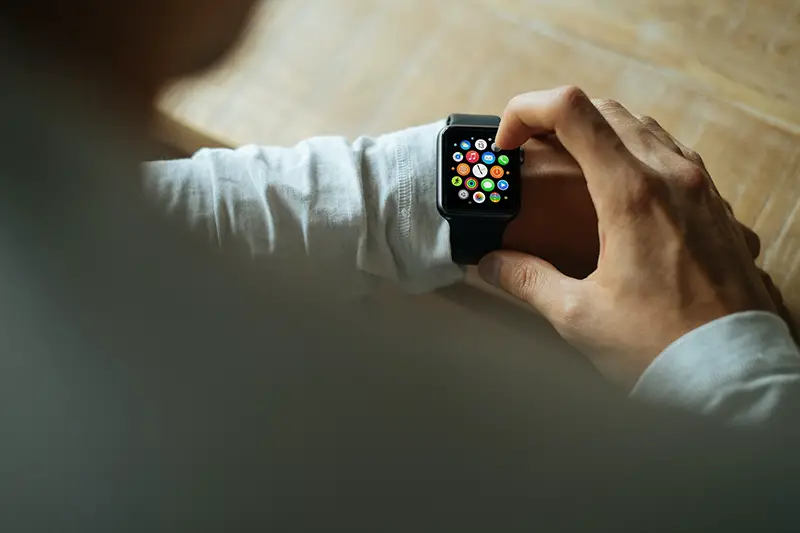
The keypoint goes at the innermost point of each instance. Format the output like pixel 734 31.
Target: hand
pixel 558 222
pixel 672 256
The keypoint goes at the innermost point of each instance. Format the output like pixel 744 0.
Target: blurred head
pixel 141 43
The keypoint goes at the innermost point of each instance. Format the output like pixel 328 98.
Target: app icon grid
pixel 475 158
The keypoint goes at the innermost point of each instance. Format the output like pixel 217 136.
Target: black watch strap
pixel 471 238
pixel 473 120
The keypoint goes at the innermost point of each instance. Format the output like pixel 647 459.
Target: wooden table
pixel 721 75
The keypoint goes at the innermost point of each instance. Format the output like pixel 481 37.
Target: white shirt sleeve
pixel 350 213
pixel 743 369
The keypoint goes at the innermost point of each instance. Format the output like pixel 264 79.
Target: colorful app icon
pixel 462 169
pixel 473 157
pixel 456 181
pixel 503 160
pixel 458 157
pixel 463 194
pixel 502 185
pixel 489 158
pixel 471 184
pixel 497 172
pixel 487 185
pixel 479 197
pixel 494 197
pixel 480 144
pixel 465 145
pixel 480 170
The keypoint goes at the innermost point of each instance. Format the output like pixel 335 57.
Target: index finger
pixel 580 127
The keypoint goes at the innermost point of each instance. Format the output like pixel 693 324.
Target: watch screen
pixel 477 180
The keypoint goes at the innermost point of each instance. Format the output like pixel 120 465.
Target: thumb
pixel 528 278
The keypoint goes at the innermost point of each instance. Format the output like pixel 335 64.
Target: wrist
pixel 557 220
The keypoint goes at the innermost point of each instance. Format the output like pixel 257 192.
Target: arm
pixel 364 210
pixel 743 368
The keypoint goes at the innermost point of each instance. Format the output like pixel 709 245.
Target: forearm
pixel 356 212
pixel 743 369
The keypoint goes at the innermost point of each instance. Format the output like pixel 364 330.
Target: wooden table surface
pixel 722 75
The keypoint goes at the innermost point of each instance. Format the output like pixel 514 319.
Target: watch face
pixel 474 178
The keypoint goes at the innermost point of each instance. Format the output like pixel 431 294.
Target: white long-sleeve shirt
pixel 367 210
pixel 158 375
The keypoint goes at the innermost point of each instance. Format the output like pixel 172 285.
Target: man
pixel 207 369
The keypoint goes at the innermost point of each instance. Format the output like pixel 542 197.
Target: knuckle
pixel 571 97
pixel 607 106
pixel 698 159
pixel 769 283
pixel 645 135
pixel 571 310
pixel 693 178
pixel 753 240
pixel 694 157
pixel 640 197
pixel 648 121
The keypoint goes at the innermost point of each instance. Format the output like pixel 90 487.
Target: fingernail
pixel 489 270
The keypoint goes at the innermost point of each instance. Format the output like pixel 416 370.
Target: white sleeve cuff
pixel 740 368
pixel 421 240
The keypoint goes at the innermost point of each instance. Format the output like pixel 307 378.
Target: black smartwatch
pixel 478 188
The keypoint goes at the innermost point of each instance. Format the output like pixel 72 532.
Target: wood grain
pixel 721 75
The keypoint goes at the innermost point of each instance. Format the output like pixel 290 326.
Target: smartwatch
pixel 478 186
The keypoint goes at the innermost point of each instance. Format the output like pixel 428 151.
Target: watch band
pixel 471 238
pixel 460 119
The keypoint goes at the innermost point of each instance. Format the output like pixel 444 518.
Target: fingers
pixel 660 133
pixel 671 142
pixel 547 159
pixel 599 136
pixel 751 237
pixel 582 130
pixel 753 240
pixel 695 158
pixel 647 141
pixel 570 114
pixel 679 148
pixel 530 279
pixel 689 154
pixel 777 300
pixel 774 292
